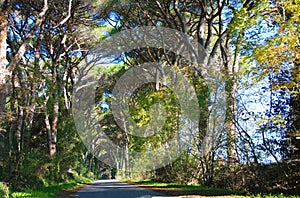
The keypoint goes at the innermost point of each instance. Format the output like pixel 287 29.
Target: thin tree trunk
pixel 51 132
pixel 126 153
pixel 232 68
pixel 52 127
pixel 28 125
pixel 18 133
pixel 90 165
pixel 48 128
pixel 53 137
pixel 230 126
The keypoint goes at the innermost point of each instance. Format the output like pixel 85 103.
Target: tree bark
pixel 3 71
pixel 229 123
pixel 19 130
pixel 55 110
pixel 53 137
pixel 126 155
pixel 232 69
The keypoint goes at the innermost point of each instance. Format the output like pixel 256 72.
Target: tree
pixel 281 55
pixel 6 70
pixel 217 26
pixel 44 44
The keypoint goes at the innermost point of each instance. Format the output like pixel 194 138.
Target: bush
pixel 4 190
pixel 90 175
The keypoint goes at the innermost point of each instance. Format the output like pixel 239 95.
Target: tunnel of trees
pixel 256 43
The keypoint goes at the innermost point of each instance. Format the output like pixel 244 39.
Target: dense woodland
pixel 256 43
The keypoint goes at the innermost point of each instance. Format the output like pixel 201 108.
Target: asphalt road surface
pixel 116 189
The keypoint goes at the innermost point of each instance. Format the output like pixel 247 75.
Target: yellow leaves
pixel 290 18
pixel 284 47
pixel 282 51
pixel 273 55
pixel 158 94
pixel 142 117
pixel 160 107
pixel 297 56
pixel 277 120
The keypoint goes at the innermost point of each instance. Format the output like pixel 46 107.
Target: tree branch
pixel 17 58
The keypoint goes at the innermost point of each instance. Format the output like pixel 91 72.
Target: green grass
pixel 276 196
pixel 206 191
pixel 49 191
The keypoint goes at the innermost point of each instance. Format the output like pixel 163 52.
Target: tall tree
pixel 281 55
pixel 7 68
pixel 216 25
pixel 44 44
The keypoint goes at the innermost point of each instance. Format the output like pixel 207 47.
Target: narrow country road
pixel 115 189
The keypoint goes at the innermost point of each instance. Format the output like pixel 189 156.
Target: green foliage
pixel 275 196
pixel 4 190
pixel 202 190
pixel 35 169
pixel 143 112
pixel 50 191
pixel 278 60
pixel 36 88
pixel 283 48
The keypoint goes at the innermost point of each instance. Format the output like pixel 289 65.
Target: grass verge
pixel 49 191
pixel 195 191
pixel 174 189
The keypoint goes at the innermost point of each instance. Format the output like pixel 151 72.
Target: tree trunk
pixel 52 127
pixel 48 127
pixel 19 128
pixel 232 69
pixel 53 137
pixel 52 131
pixel 126 155
pixel 3 71
pixel 91 160
pixel 229 124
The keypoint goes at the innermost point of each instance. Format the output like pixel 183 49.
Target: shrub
pixel 4 190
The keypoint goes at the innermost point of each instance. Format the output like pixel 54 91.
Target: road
pixel 116 189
